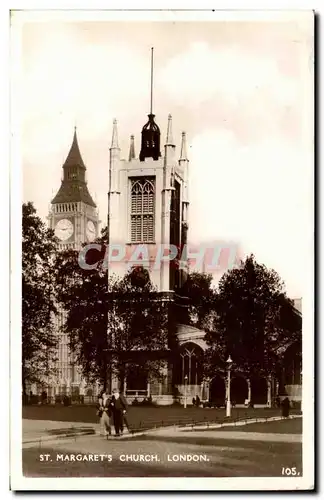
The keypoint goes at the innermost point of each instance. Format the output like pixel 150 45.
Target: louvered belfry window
pixel 142 210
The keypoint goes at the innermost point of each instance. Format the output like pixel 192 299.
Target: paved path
pixel 47 430
pixel 41 431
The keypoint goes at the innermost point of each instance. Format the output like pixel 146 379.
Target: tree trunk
pixel 24 387
pixel 121 376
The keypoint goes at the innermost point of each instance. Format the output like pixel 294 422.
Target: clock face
pixel 64 229
pixel 91 230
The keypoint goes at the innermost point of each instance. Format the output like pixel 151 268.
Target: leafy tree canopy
pixel 254 320
pixel 194 299
pixel 112 324
pixel 38 297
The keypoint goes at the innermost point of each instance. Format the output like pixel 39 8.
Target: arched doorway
pixel 259 390
pixel 239 390
pixel 217 390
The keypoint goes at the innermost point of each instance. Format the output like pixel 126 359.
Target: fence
pixel 238 417
pixel 59 399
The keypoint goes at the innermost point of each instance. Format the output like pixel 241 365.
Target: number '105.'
pixel 289 471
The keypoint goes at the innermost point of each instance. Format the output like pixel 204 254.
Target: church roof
pixel 74 187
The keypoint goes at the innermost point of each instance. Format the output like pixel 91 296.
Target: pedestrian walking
pixel 285 408
pixel 104 412
pixel 119 408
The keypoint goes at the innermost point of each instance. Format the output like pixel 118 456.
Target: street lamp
pixel 229 363
pixel 207 395
pixel 186 382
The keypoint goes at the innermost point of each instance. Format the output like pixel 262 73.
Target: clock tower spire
pixel 74 186
pixel 73 214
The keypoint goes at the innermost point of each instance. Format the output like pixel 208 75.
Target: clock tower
pixel 73 215
pixel 74 218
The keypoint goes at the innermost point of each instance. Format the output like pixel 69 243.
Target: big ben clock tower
pixel 74 218
pixel 73 215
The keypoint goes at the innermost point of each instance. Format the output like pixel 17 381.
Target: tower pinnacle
pixel 114 140
pixel 131 149
pixel 183 153
pixel 169 138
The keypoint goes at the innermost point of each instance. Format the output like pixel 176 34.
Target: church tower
pixel 73 215
pixel 148 203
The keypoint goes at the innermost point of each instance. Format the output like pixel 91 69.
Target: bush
pixel 34 399
pixel 148 402
pixel 214 404
pixel 25 399
pixel 66 401
pixel 176 404
pixel 76 398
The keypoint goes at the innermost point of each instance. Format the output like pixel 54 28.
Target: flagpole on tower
pixel 152 51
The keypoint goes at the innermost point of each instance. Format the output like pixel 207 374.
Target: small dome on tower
pixel 150 146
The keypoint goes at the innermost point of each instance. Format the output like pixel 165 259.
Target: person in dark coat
pixel 285 407
pixel 119 408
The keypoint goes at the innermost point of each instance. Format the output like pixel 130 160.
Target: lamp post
pixel 186 382
pixel 229 363
pixel 207 389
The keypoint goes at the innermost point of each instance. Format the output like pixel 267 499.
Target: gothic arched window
pixel 189 362
pixel 142 210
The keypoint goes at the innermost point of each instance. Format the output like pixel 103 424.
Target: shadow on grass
pixel 71 431
pixel 219 442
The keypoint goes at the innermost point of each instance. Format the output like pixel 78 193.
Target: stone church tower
pixel 74 215
pixel 148 212
pixel 148 203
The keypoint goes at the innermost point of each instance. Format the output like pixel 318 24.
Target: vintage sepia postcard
pixel 162 172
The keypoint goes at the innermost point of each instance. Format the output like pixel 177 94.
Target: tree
pixel 195 299
pixel 38 297
pixel 112 326
pixel 140 326
pixel 254 320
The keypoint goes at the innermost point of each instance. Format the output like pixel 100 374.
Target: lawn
pixel 226 458
pixel 145 417
pixel 289 426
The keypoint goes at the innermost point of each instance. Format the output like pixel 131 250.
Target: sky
pixel 242 91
